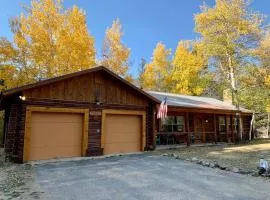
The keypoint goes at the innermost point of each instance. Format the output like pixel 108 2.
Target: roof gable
pixel 14 91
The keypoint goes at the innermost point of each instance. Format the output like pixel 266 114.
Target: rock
pixel 165 154
pixel 205 163
pixel 235 170
pixel 222 167
pixel 255 174
pixel 199 162
pixel 194 159
pixel 245 171
pixel 174 155
pixel 213 164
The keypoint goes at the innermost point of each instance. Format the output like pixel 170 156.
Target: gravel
pixel 243 159
pixel 17 182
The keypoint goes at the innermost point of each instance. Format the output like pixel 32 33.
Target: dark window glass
pixel 222 124
pixel 173 124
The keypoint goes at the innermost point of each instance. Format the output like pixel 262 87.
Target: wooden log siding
pixel 89 88
pixel 14 132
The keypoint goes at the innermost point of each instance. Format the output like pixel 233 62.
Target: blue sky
pixel 145 22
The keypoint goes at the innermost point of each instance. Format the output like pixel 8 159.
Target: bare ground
pixel 17 181
pixel 245 156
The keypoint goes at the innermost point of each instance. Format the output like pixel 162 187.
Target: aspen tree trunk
pixel 235 96
pixel 251 126
pixel 268 120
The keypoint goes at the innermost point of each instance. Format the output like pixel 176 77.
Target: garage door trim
pixel 27 132
pixel 123 112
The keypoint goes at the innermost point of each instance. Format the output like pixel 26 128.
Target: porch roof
pixel 177 100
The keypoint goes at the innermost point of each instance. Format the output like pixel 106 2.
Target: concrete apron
pixel 39 162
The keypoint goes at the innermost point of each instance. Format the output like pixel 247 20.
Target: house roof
pixel 184 101
pixel 14 91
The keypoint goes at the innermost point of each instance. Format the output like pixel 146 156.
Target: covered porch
pixel 200 120
pixel 186 127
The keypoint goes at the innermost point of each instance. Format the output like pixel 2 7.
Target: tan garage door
pixel 55 135
pixel 122 134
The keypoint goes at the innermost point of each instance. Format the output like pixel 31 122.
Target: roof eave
pixel 208 109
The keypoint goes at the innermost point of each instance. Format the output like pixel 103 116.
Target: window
pixel 173 124
pixel 222 124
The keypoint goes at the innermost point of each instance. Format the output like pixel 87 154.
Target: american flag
pixel 163 108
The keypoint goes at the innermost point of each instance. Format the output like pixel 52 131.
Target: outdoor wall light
pixel 23 98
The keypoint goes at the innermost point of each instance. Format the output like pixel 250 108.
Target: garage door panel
pixel 123 133
pixel 122 148
pixel 55 135
pixel 56 117
pixel 123 137
pixel 50 152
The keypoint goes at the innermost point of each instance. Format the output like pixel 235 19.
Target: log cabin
pixel 95 112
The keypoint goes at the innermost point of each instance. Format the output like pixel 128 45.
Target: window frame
pixel 223 125
pixel 174 124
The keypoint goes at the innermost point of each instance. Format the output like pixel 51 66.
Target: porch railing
pixel 166 138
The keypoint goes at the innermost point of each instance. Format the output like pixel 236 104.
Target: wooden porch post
pixel 154 127
pixel 203 130
pixel 215 129
pixel 187 128
pixel 232 128
pixel 227 128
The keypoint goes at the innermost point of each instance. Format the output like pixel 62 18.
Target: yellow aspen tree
pixel 9 60
pixel 115 55
pixel 187 65
pixel 52 41
pixel 8 76
pixel 157 73
pixel 263 53
pixel 229 31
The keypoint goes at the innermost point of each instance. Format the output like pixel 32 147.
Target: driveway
pixel 144 176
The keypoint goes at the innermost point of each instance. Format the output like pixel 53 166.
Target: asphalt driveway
pixel 144 177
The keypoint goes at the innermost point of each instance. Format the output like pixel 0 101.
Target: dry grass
pixel 245 156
